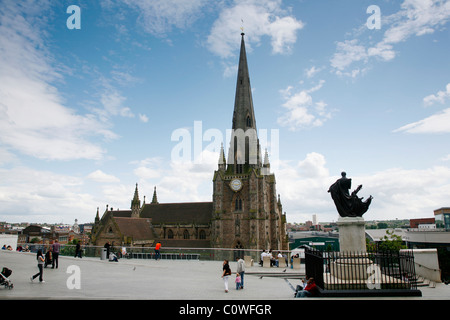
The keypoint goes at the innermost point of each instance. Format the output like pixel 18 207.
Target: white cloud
pixel 35 196
pixel 158 17
pixel 311 72
pixel 437 123
pixel 397 192
pixel 113 101
pixel 301 111
pixel 261 18
pixel 440 97
pixel 143 118
pixel 33 117
pixel 178 181
pixel 100 176
pixel 415 18
pixel 348 52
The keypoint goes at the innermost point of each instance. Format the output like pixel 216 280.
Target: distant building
pixel 416 223
pixel 443 214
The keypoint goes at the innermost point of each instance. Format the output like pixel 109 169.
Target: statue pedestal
pixel 353 261
pixel 352 234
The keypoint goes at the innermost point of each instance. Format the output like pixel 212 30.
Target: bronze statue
pixel 348 205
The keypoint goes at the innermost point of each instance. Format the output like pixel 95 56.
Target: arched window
pixel 249 121
pixel 186 235
pixel 170 234
pixel 110 230
pixel 238 204
pixel 202 235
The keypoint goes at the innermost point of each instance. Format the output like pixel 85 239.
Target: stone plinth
pixel 352 242
pixel 351 266
pixel 352 234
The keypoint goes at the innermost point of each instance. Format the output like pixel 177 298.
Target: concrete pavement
pixel 135 279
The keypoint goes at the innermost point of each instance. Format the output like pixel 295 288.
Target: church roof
pixel 182 213
pixel 137 228
pixel 121 213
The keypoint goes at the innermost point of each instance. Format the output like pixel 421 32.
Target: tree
pixel 391 242
pixel 382 225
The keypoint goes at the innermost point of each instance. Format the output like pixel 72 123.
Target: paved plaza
pixel 136 279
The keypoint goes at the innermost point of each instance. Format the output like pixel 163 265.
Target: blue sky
pixel 87 113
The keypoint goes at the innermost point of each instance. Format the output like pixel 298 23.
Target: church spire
pixel 244 115
pixel 222 161
pixel 135 203
pixel 244 147
pixel 155 198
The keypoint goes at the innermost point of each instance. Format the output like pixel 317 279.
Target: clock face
pixel 236 184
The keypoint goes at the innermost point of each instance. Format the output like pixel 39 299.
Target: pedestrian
pixel 41 259
pixel 48 258
pixel 55 248
pixel 107 246
pixel 226 274
pixel 78 250
pixel 157 254
pixel 241 270
pixel 238 281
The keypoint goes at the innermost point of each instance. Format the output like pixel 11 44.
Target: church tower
pixel 247 212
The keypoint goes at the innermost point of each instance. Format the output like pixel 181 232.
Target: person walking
pixel 41 259
pixel 241 270
pixel 78 250
pixel 55 248
pixel 157 253
pixel 226 274
pixel 107 247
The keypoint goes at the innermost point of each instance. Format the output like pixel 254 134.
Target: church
pixel 245 212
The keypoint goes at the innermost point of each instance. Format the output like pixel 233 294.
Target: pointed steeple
pixel 265 170
pixel 244 115
pixel 222 161
pixel 135 203
pixel 244 148
pixel 155 198
pixel 97 217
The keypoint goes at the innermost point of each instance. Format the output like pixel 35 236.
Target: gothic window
pixel 202 235
pixel 186 235
pixel 249 121
pixel 238 204
pixel 170 234
pixel 110 230
pixel 239 168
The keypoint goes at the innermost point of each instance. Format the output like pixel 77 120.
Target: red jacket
pixel 311 287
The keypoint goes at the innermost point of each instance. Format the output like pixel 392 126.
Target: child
pixel 238 281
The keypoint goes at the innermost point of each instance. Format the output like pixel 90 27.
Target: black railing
pixel 386 270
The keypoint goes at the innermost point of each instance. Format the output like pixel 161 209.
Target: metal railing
pixel 361 270
pixel 172 253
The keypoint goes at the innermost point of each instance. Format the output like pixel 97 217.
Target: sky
pixel 98 95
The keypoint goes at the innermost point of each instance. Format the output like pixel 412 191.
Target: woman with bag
pixel 226 274
pixel 40 258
